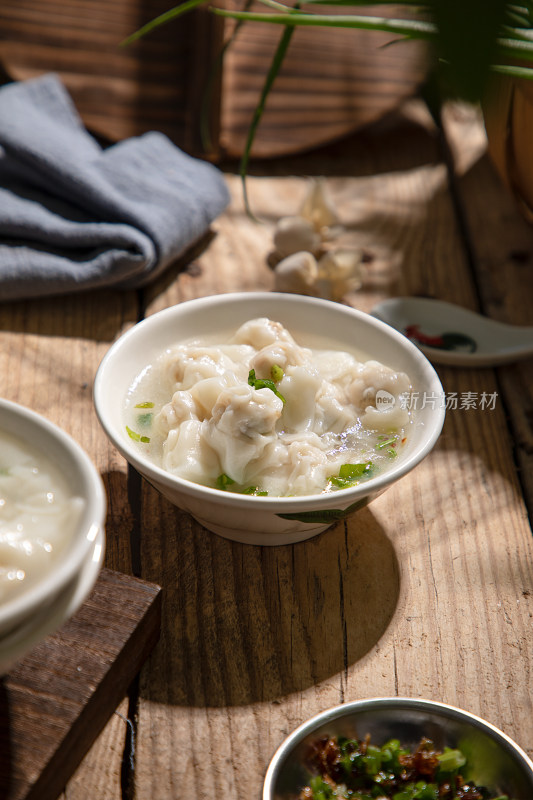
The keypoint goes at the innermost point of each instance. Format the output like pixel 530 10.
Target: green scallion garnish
pixel 223 481
pixel 350 474
pixel 388 443
pixel 354 768
pixel 137 436
pixel 451 760
pixel 276 373
pixel 263 383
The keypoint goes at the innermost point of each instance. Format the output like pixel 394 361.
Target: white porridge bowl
pixel 266 520
pixel 64 543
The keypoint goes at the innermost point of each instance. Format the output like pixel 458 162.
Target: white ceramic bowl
pixel 250 519
pixel 19 641
pixel 493 759
pixel 19 612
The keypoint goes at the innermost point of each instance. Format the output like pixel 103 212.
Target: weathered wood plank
pixel 428 592
pixel 49 352
pixel 154 84
pixel 502 246
pixel 102 775
pixel 58 698
pixel 333 81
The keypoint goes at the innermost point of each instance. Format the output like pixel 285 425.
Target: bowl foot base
pixel 262 539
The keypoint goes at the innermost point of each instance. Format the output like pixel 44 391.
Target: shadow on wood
pixel 6 768
pixel 58 698
pixel 332 600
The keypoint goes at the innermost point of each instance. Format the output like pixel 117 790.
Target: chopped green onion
pixel 321 789
pixel 145 419
pixel 363 771
pixel 386 441
pixel 223 481
pixel 372 760
pixel 391 752
pixel 420 791
pixel 354 470
pixel 255 491
pixel 276 373
pixel 451 760
pixel 340 483
pixel 350 474
pixel 137 436
pixel 263 383
pixel 148 404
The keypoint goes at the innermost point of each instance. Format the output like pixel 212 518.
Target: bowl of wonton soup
pixel 268 417
pixel 52 509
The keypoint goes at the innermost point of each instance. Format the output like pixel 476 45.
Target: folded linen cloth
pixel 75 216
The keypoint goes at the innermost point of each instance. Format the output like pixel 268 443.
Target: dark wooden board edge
pixel 82 719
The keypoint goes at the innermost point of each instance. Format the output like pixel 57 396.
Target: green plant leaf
pixel 470 39
pixel 162 19
pixel 411 28
pixel 466 44
pixel 514 72
pixel 413 3
pixel 215 71
pixel 273 71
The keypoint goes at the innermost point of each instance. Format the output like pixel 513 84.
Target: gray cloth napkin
pixel 76 216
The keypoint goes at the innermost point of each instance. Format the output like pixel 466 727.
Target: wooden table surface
pixel 428 592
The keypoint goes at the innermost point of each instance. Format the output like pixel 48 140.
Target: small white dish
pixel 450 334
pixel 18 643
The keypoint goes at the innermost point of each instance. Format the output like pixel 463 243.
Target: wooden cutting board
pixel 55 702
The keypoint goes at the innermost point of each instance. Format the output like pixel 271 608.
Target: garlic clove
pixel 297 273
pixel 336 274
pixel 294 234
pixel 318 209
pixel 339 272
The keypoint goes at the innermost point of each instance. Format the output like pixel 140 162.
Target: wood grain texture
pixel 426 593
pixel 101 774
pixel 49 352
pixel 58 698
pixel 153 84
pixel 333 81
pixel 502 246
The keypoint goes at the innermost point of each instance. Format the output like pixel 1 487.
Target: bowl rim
pixel 17 608
pixel 289 504
pixel 17 643
pixel 346 709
